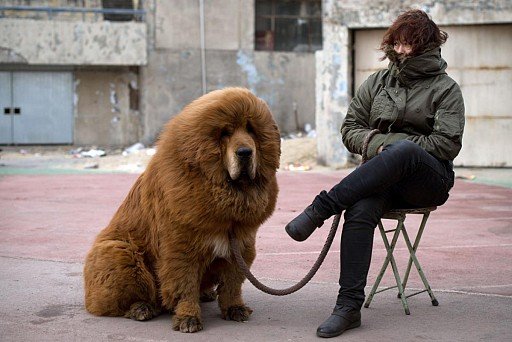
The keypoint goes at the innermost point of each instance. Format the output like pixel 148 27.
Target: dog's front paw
pixel 238 313
pixel 186 324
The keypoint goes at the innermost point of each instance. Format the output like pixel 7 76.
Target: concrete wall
pixel 53 42
pixel 174 74
pixel 340 18
pixel 103 116
pixel 287 82
pixel 333 71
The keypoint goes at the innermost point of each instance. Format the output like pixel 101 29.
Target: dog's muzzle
pixel 243 164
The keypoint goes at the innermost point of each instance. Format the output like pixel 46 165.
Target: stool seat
pixel 393 214
pixel 400 216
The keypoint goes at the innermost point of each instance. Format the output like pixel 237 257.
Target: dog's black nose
pixel 244 152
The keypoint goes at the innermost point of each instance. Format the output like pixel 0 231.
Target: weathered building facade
pixel 73 77
pixel 478 56
pixel 106 79
pixel 199 46
pixel 127 78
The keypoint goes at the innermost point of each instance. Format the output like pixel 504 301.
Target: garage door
pixel 479 60
pixel 36 107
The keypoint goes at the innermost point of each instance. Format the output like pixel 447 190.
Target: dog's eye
pixel 249 128
pixel 225 132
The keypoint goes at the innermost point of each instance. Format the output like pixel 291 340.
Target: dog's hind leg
pixel 142 311
pixel 208 294
pixel 118 283
pixel 208 291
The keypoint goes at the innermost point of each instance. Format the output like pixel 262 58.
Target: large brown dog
pixel 214 174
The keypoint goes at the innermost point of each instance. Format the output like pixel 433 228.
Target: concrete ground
pixel 49 219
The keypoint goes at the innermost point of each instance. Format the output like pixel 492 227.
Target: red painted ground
pixel 467 245
pixel 47 224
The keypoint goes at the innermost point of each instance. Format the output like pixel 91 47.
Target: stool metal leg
pixel 415 247
pixel 382 269
pixel 400 215
pixel 389 259
pixel 412 253
pixel 401 288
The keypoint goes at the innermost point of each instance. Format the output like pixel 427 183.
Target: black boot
pixel 301 227
pixel 341 319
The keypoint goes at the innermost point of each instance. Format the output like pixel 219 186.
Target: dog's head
pixel 228 135
pixel 239 152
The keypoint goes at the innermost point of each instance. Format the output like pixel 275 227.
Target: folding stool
pixel 400 215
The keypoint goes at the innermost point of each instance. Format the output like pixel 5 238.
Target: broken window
pixel 117 4
pixel 288 25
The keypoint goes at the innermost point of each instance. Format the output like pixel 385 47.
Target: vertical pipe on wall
pixel 203 59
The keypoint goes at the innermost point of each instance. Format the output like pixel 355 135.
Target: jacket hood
pixel 407 69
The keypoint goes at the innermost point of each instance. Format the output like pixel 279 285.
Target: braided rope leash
pixel 235 249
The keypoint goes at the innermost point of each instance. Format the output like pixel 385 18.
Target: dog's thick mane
pixel 190 141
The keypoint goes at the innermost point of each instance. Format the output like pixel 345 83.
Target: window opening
pixel 288 25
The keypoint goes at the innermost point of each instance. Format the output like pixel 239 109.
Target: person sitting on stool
pixel 419 111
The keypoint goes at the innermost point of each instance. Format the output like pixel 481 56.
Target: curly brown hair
pixel 415 28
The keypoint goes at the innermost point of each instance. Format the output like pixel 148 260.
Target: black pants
pixel 403 175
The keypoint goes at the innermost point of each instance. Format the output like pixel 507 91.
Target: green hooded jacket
pixel 415 100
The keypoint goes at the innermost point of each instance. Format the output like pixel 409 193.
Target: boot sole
pixel 334 334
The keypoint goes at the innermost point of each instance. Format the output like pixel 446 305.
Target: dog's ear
pixel 277 129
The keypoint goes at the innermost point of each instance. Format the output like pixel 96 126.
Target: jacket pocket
pixel 448 123
pixel 382 111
